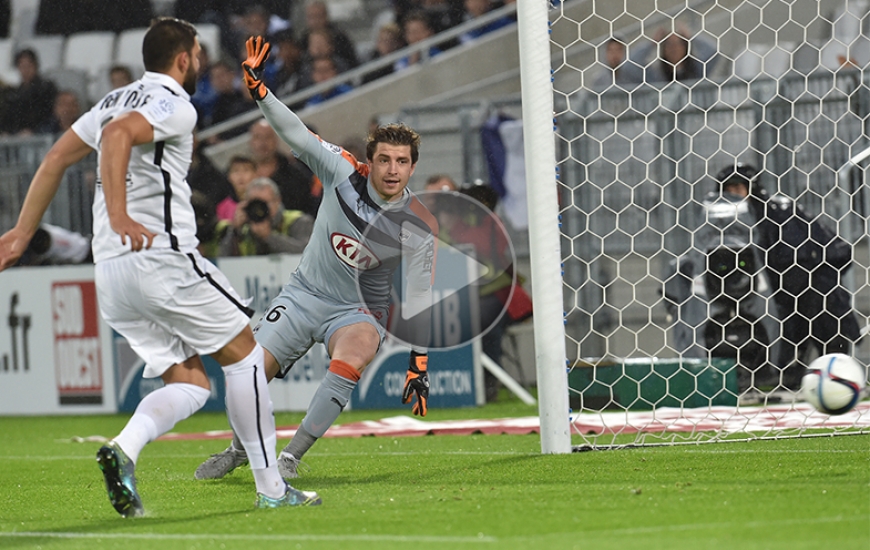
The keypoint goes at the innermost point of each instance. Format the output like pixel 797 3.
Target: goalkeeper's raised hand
pixel 417 383
pixel 252 67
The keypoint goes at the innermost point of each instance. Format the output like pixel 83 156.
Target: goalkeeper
pixel 368 224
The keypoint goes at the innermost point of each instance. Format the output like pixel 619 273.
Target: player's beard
pixel 189 83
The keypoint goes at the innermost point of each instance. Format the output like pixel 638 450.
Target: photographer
pixel 262 226
pixel 805 262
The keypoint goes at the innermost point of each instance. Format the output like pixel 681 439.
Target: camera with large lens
pixel 257 210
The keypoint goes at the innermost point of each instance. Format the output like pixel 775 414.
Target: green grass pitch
pixel 442 492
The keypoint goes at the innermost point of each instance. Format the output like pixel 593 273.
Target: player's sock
pixel 157 413
pixel 329 400
pixel 237 443
pixel 249 407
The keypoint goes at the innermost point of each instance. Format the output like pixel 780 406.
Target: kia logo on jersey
pixel 354 253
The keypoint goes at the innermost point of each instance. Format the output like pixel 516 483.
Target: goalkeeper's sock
pixel 329 400
pixel 157 413
pixel 249 408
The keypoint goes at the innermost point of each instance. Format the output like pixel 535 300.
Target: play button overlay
pixel 444 290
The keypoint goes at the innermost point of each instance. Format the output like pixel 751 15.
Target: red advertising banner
pixel 75 325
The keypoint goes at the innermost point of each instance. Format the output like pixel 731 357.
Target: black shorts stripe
pixel 167 194
pixel 243 308
pixel 259 426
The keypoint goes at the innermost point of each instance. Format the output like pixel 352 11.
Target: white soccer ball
pixel 833 383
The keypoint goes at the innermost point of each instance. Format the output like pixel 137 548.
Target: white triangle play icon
pixel 446 282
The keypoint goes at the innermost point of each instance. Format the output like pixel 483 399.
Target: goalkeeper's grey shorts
pixel 297 318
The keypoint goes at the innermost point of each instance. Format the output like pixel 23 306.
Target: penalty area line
pixel 236 537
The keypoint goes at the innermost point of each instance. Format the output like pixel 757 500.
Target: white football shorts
pixel 169 306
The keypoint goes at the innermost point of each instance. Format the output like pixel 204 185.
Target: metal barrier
pixel 71 208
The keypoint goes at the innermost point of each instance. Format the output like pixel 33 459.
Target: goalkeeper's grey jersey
pixel 359 240
pixel 158 196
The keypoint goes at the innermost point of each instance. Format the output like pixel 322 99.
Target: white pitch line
pixel 775 451
pixel 652 530
pixel 229 536
pixel 313 454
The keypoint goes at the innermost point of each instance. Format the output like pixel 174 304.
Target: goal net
pixel 691 313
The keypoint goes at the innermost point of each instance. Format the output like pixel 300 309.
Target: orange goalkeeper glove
pixel 252 67
pixel 417 382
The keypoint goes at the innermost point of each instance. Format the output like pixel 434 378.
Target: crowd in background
pixel 305 52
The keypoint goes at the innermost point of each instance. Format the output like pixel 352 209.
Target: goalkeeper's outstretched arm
pixel 323 161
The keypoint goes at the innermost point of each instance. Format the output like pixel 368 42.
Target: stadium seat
pixel 747 64
pixel 778 60
pixel 345 10
pixel 23 23
pixel 74 80
pixel 210 37
pixel 92 52
pixel 48 48
pixel 8 74
pixel 128 50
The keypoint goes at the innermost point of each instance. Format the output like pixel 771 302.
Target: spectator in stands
pixel 120 76
pixel 321 43
pixel 443 14
pixel 205 96
pixel 461 222
pixel 53 245
pixel 439 183
pixel 295 181
pixel 5 17
pixel 67 110
pixel 61 17
pixel 478 8
pixel 209 230
pixel 417 28
pixel 323 69
pixel 229 100
pixel 288 77
pixel 618 69
pixel 241 172
pixel 205 179
pixel 435 185
pixel 256 20
pixel 805 262
pixel 317 19
pixel 681 56
pixel 30 105
pixel 390 39
pixel 263 226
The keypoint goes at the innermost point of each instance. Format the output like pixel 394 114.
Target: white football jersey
pixel 158 195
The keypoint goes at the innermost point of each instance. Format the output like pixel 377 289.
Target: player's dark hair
pixel 166 38
pixel 394 134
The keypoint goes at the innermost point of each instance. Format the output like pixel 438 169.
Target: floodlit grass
pixel 442 491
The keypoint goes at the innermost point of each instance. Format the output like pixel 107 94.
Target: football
pixel 833 383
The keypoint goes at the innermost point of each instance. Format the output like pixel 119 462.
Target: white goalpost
pixel 659 291
pixel 540 153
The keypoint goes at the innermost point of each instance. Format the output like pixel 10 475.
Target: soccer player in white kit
pixel 153 287
pixel 367 226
